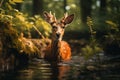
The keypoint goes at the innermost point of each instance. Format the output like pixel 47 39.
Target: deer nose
pixel 58 35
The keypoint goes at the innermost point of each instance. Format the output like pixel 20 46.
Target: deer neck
pixel 55 48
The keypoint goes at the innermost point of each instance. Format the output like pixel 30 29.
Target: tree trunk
pixel 37 7
pixel 65 4
pixel 85 6
pixel 102 5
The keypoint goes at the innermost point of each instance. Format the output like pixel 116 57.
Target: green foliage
pixel 22 22
pixel 26 46
pixel 90 50
pixel 8 34
pixel 13 23
pixel 93 47
pixel 90 25
pixel 113 32
pixel 41 25
pixel 111 40
pixel 7 4
pixel 11 42
pixel 15 1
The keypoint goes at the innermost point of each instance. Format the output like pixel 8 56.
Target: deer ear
pixel 69 19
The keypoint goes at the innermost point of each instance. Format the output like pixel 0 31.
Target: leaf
pixel 111 23
pixel 20 17
pixel 18 1
pixel 11 2
pixel 9 6
pixel 15 1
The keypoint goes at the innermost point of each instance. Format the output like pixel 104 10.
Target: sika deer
pixel 58 50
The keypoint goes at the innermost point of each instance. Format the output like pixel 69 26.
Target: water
pixel 39 69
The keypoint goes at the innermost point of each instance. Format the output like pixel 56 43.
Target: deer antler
pixel 54 17
pixel 65 16
pixel 50 18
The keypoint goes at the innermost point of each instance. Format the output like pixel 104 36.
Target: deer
pixel 58 50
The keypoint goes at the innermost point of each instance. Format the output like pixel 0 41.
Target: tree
pixel 85 6
pixel 37 7
pixel 103 5
pixel 65 4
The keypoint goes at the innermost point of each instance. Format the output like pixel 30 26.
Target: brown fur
pixel 58 50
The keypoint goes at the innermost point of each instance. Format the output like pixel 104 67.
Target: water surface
pixel 38 69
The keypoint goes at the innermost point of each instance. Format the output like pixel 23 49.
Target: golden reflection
pixel 59 72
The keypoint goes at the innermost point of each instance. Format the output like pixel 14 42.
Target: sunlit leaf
pixel 111 23
pixel 9 6
pixel 21 18
pixel 37 16
pixel 15 1
pixel 11 2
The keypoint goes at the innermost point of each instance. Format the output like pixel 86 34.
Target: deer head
pixel 58 27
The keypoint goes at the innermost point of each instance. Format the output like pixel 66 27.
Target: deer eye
pixel 63 27
pixel 54 27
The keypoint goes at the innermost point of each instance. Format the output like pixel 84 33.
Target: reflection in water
pixel 41 70
pixel 59 71
pixel 38 70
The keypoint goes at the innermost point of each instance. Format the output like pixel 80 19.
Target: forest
pixel 93 35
